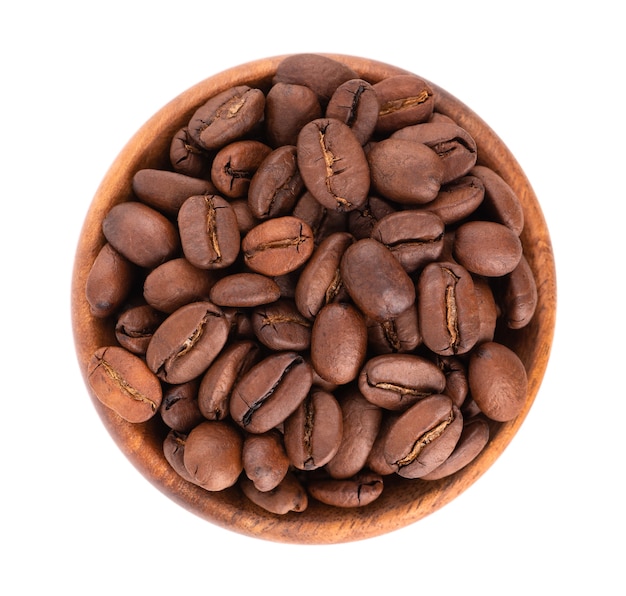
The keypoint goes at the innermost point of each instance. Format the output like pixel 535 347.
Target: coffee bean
pixel 174 452
pixel 188 158
pixel 355 103
pixel 265 461
pixel 400 334
pixel 359 491
pixel 280 326
pixel 288 496
pixel 322 221
pixel 135 326
pixel 520 295
pixel 458 199
pixel 179 408
pixel 244 290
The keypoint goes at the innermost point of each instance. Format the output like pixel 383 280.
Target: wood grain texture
pixel 402 502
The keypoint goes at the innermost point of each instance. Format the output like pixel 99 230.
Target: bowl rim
pixel 401 504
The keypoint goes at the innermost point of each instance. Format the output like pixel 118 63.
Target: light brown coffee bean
pixel 322 221
pixel 212 455
pixel 123 383
pixel 280 326
pixel 288 496
pixel 498 381
pixel 265 461
pixel 397 335
pixel 235 165
pixel 136 325
pixel 520 296
pixel 487 310
pixel 179 408
pixel 174 452
pixel 278 246
pixel 186 343
pixel 455 372
pixel 244 290
pixel 361 221
pixel 270 391
pixel 188 158
pixel 457 200
pixel 359 491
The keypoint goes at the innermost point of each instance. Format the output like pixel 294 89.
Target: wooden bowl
pixel 402 502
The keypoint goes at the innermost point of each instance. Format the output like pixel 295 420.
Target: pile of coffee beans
pixel 309 296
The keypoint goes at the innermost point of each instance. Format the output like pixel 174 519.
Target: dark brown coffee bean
pixel 323 222
pixel 404 171
pixel 519 299
pixel 166 191
pixel 414 237
pixel 472 441
pixel 176 283
pixel 454 145
pixel 218 381
pixel 270 391
pixel 487 248
pixel 179 408
pixel 288 496
pixel 212 455
pixel 338 342
pixel 280 326
pixel 288 108
pixel 136 325
pixel 397 335
pixel 361 422
pixel 174 452
pixel 404 99
pixel 245 219
pixel 235 165
pixel 226 117
pixel 244 290
pixel 333 165
pixel 359 491
pixel 239 322
pixel 501 204
pixel 397 381
pixel 424 436
pixel 447 309
pixel 123 383
pixel 209 232
pixel 455 371
pixel 188 158
pixel 498 381
pixel 376 461
pixel 368 271
pixel 320 280
pixel 361 222
pixel 457 200
pixel 320 73
pixel 186 343
pixel 109 282
pixel 278 246
pixel 487 310
pixel 141 234
pixel 313 432
pixel 265 461
pixel 355 103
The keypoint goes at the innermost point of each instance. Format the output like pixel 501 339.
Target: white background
pixel 79 78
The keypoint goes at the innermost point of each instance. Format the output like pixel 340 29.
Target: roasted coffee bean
pixel 212 455
pixel 245 219
pixel 314 431
pixel 519 298
pixel 239 322
pixel 278 246
pixel 244 290
pixel 209 232
pixel 397 381
pixel 404 100
pixel 423 437
pixel 361 423
pixel 414 237
pixel 361 222
pixel 501 204
pixel 454 145
pixel 322 221
pixel 447 309
pixel 457 200
pixel 376 461
pixel 109 282
pixel 166 191
pixel 226 117
pixel 176 283
pixel 235 165
pixel 338 342
pixel 404 171
pixel 280 326
pixel 174 452
pixel 218 381
pixel 141 234
pixel 320 73
pixel 472 441
pixel 265 461
pixel 333 164
pixel 498 381
pixel 179 408
pixel 487 248
pixel 397 335
pixel 276 184
pixel 136 325
pixel 288 108
pixel 487 310
pixel 355 103
pixel 122 382
pixel 320 280
pixel 186 343
pixel 288 496
pixel 270 391
pixel 359 491
pixel 455 371
pixel 188 158
pixel 368 271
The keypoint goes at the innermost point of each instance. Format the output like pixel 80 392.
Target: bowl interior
pixel 402 502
